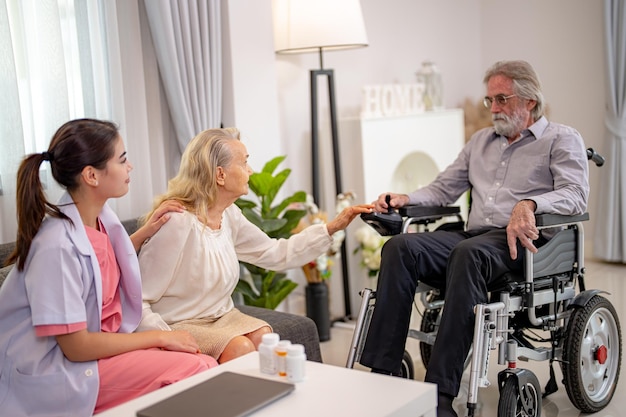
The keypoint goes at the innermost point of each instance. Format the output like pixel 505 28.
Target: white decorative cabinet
pixel 402 153
pixel 393 153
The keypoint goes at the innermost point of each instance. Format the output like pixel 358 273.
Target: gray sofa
pixel 297 329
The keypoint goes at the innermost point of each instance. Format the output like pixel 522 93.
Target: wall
pixel 250 86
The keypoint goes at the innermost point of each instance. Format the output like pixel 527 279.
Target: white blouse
pixel 190 271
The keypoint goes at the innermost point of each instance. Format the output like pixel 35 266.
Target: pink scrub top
pixel 111 305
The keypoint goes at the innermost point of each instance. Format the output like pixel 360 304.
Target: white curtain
pixel 610 237
pixel 65 59
pixel 10 128
pixel 50 72
pixel 138 105
pixel 187 39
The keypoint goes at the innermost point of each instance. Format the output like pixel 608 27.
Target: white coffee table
pixel 327 391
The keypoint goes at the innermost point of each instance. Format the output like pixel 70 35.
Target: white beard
pixel 509 126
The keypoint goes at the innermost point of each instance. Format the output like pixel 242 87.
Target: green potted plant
pixel 268 288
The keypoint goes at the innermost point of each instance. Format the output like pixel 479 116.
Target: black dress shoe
pixel 382 371
pixel 444 406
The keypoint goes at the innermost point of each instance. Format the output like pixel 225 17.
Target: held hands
pixel 346 216
pixel 522 226
pixel 396 201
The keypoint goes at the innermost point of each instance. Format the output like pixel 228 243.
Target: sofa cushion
pixel 131 225
pixel 5 250
pixel 4 272
pixel 292 327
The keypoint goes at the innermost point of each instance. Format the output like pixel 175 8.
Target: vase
pixel 430 76
pixel 317 308
pixel 311 273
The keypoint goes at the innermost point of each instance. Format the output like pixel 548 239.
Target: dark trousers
pixel 466 265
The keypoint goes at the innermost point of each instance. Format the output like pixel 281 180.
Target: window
pixel 53 69
pixel 59 64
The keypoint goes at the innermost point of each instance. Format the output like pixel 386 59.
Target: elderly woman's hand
pixel 346 216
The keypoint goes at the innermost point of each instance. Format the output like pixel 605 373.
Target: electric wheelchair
pixel 545 313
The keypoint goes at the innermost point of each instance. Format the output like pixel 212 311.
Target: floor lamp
pixel 304 26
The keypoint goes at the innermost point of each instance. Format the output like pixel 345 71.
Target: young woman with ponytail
pixel 70 306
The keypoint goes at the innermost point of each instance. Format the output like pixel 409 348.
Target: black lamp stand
pixel 315 155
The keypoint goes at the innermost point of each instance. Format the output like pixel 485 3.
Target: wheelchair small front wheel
pixel 592 355
pixel 408 370
pixel 430 324
pixel 520 401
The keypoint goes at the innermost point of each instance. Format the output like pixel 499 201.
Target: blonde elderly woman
pixel 191 266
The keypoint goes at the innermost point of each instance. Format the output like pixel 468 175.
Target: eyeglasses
pixel 500 100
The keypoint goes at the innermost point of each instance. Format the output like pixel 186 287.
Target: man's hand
pixel 395 201
pixel 522 226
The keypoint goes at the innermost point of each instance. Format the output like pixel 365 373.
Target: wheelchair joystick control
pixel 388 202
pixel 386 224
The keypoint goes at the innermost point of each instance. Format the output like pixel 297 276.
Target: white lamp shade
pixel 315 25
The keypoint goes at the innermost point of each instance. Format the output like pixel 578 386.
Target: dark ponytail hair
pixel 75 145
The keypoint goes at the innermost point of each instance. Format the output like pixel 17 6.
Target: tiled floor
pixel 607 277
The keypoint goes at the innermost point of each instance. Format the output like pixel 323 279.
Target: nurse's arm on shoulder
pixel 160 216
pixel 84 346
pixel 346 216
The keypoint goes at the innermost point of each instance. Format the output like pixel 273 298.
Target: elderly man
pixel 522 166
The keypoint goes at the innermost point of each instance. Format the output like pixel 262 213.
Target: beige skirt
pixel 214 334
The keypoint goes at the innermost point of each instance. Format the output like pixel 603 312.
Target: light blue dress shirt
pixel 547 164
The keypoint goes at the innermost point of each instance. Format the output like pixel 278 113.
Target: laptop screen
pixel 226 395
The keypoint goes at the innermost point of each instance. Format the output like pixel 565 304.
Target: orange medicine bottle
pixel 281 357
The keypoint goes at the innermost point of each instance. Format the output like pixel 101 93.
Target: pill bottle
pixel 281 356
pixel 267 356
pixel 296 363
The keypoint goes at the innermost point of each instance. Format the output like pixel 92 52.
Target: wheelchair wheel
pixel 523 401
pixel 429 324
pixel 592 355
pixel 408 370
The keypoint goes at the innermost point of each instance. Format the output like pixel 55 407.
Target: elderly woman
pixel 191 266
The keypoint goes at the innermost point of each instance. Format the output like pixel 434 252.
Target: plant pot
pixel 317 308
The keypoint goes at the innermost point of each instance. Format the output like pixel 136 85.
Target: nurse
pixel 70 306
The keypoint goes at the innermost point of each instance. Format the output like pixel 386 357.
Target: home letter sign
pixel 392 100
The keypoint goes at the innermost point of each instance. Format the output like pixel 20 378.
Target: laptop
pixel 226 395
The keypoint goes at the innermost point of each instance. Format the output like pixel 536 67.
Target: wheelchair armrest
pixel 395 222
pixel 547 220
pixel 429 214
pixel 428 211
